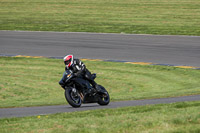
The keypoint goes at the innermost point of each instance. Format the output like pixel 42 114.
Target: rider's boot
pixel 97 87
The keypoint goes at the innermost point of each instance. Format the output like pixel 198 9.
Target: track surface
pixel 30 111
pixel 175 50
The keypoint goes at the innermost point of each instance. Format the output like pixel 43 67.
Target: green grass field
pixel 176 17
pixel 166 118
pixel 34 81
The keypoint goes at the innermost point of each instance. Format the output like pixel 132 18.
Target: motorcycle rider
pixel 79 69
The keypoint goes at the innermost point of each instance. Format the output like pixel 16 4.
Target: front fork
pixel 80 94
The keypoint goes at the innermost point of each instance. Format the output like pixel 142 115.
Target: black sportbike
pixel 78 90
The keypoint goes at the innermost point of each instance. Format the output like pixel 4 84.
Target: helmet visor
pixel 68 61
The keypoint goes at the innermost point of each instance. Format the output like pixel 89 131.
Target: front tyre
pixel 103 99
pixel 73 97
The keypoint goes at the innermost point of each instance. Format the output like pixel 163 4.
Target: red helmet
pixel 68 60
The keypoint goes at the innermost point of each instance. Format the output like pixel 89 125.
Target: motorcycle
pixel 78 90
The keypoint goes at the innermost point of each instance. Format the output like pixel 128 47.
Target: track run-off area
pixel 181 51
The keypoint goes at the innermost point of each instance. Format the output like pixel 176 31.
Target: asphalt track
pixel 173 50
pixel 44 110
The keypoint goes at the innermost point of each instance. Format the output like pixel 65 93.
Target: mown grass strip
pixel 176 117
pixel 34 81
pixel 169 17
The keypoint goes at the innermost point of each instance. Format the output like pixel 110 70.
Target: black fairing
pixel 82 84
pixel 85 90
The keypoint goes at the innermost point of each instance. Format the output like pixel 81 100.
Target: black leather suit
pixel 79 69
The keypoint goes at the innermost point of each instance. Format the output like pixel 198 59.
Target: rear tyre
pixel 103 99
pixel 73 97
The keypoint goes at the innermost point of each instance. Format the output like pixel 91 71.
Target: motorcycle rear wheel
pixel 73 98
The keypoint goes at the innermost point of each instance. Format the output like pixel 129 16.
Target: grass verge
pixel 34 81
pixel 177 17
pixel 176 117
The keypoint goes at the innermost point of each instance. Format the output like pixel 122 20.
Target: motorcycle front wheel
pixel 73 97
